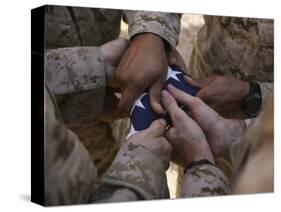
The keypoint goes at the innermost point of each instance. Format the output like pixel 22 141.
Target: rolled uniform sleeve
pixel 165 25
pixel 205 180
pixel 77 78
pixel 139 173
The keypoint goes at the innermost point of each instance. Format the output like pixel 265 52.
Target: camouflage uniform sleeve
pixel 137 173
pixel 205 180
pixel 70 174
pixel 77 78
pixel 254 153
pixel 165 25
pixel 266 91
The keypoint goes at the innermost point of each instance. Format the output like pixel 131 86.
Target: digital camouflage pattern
pixel 79 26
pixel 253 164
pixel 71 176
pixel 242 47
pixel 205 180
pixel 255 154
pixel 76 76
pixel 137 169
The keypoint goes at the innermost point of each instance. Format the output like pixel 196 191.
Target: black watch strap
pixel 198 163
pixel 252 102
pixel 254 88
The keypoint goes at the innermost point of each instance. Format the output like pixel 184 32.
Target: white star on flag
pixel 172 74
pixel 138 103
pixel 131 132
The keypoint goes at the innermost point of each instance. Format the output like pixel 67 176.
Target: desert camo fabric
pixel 76 76
pixel 71 175
pixel 241 47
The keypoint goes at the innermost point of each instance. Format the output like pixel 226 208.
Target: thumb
pixel 112 51
pixel 157 128
pixel 186 99
pixel 171 106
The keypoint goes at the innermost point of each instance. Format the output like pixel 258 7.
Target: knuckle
pixel 197 100
pixel 156 126
pixel 177 115
pixel 166 147
pixel 120 76
pixel 136 82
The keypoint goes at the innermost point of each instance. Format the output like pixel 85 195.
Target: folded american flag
pixel 142 114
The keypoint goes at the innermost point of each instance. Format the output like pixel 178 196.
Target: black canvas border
pixel 37 105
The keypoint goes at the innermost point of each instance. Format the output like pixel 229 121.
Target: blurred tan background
pixel 190 24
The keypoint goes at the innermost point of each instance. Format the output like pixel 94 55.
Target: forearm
pixel 134 174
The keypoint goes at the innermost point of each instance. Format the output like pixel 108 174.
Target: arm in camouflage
pixel 205 180
pixel 241 47
pixel 71 175
pixel 77 77
pixel 166 25
pixel 140 173
pixel 255 154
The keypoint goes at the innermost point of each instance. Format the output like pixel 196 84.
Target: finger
pixel 171 106
pixel 170 135
pixel 195 82
pixel 182 65
pixel 129 96
pixel 112 51
pixel 175 59
pixel 155 96
pixel 157 128
pixel 186 99
pixel 204 95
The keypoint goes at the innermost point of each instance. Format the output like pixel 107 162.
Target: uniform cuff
pixel 77 78
pixel 165 25
pixel 139 170
pixel 205 180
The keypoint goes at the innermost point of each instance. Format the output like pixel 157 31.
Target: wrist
pixel 203 152
pixel 150 37
pixel 198 163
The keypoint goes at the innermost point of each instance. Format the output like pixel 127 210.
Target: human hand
pixel 153 140
pixel 112 53
pixel 224 94
pixel 221 133
pixel 144 65
pixel 186 137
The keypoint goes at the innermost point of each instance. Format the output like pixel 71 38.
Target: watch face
pixel 253 106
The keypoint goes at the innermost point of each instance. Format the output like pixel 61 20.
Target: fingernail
pixel 162 122
pixel 187 77
pixel 170 86
pixel 165 94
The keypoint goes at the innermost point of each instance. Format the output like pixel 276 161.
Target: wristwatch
pixel 252 102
